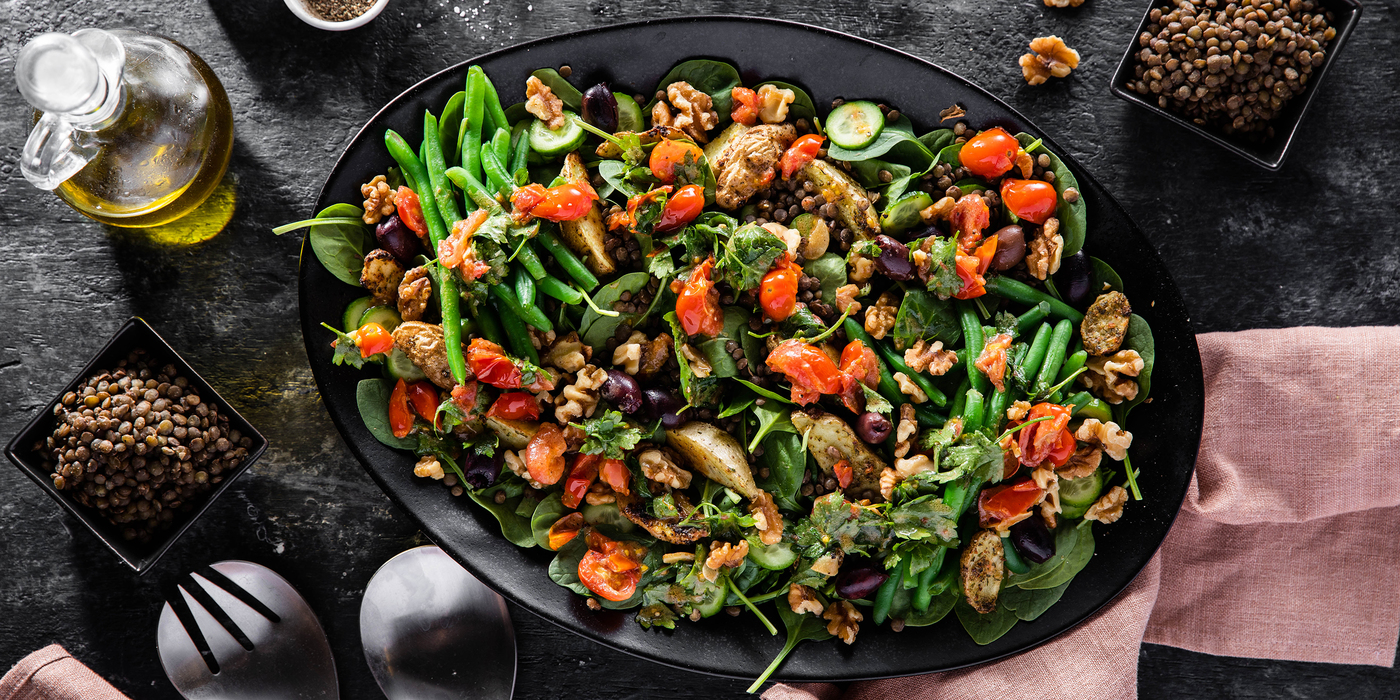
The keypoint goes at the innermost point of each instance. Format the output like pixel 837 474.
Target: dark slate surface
pixel 1314 243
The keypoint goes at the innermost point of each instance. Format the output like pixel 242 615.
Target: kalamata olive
pixel 659 403
pixel 600 107
pixel 859 582
pixel 1011 247
pixel 1033 540
pixel 482 471
pixel 621 390
pixel 873 427
pixel 1074 277
pixel 894 260
pixel 397 238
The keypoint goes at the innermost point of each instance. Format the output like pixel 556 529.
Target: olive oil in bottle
pixel 133 129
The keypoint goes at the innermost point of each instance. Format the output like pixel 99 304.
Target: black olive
pixel 1011 247
pixel 859 582
pixel 1033 540
pixel 659 403
pixel 621 390
pixel 1074 275
pixel 873 427
pixel 482 471
pixel 894 261
pixel 395 236
pixel 600 107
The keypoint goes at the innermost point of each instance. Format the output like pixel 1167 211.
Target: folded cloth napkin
pixel 1284 549
pixel 53 674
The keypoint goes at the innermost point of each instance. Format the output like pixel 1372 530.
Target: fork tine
pixel 186 618
pixel 213 576
pixel 207 602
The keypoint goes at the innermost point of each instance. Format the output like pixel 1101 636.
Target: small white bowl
pixel 299 8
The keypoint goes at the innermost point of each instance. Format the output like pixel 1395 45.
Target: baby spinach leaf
pixel 1139 338
pixel 514 526
pixel 949 155
pixel 802 323
pixel 938 139
pixel 924 518
pixel 1100 273
pixel 1030 604
pixel 698 391
pixel 615 173
pixel 1066 540
pixel 563 570
pixel 1073 223
pixel 830 269
pixel 563 89
pixel 785 460
pixel 722 364
pixel 985 629
pixel 341 247
pixel 547 512
pixel 897 140
pixel 801 107
pixel 736 328
pixel 747 256
pixel 595 328
pixel 771 418
pixel 923 315
pixel 764 392
pixel 372 398
pixel 801 627
pixel 1074 562
pixel 867 172
pixel 739 401
pixel 938 609
pixel 714 78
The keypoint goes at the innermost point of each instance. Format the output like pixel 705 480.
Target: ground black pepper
pixel 339 10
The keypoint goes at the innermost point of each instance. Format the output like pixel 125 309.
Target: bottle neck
pixel 76 81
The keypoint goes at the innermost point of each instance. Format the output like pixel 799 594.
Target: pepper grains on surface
pixel 1231 65
pixel 138 444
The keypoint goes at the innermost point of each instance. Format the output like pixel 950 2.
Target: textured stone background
pixel 1312 244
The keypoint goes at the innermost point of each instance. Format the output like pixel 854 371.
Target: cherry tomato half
pixel 745 110
pixel 843 472
pixel 799 154
pixel 400 418
pixel 1006 501
pixel 424 397
pixel 697 305
pixel 490 364
pixel 809 369
pixel 616 586
pixel 580 478
pixel 614 473
pixel 372 339
pixel 974 285
pixel 1039 441
pixel 564 530
pixel 564 202
pixel 668 156
pixel 544 454
pixel 777 294
pixel 410 210
pixel 515 405
pixel 970 217
pixel 681 208
pixel 860 362
pixel 1031 200
pixel 992 361
pixel 990 154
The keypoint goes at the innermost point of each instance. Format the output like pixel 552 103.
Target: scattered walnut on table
pixel 1110 377
pixel 930 357
pixel 1049 58
pixel 844 620
pixel 541 102
pixel 1109 508
pixel 803 600
pixel 1114 440
pixel 379 199
pixel 1044 249
pixel 879 319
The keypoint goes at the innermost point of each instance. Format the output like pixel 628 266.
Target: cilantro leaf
pixel 656 615
pixel 875 403
pixel 977 456
pixel 924 518
pixel 1005 322
pixel 943 274
pixel 747 256
pixel 836 522
pixel 609 435
pixel 346 351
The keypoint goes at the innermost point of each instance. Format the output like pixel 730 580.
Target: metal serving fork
pixel 236 630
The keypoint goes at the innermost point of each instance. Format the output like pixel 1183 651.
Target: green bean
pixel 897 365
pixel 437 233
pixel 516 332
pixel 888 387
pixel 1013 557
pixel 489 323
pixel 928 417
pixel 408 161
pixel 1078 401
pixel 474 117
pixel 960 493
pixel 520 159
pixel 500 145
pixel 567 259
pixel 945 577
pixel 470 327
pixel 524 287
pixel 476 191
pixel 1072 365
pixel 1008 288
pixel 885 596
pixel 531 260
pixel 1091 408
pixel 972 411
pixel 996 409
pixel 557 289
pixel 973 338
pixel 529 314
pixel 923 593
pixel 1031 362
pixel 496 172
pixel 494 108
pixel 959 399
pixel 1054 356
pixel 1028 320
pixel 437 168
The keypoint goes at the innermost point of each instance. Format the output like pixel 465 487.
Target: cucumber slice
pixel 1076 495
pixel 400 367
pixel 629 115
pixel 903 214
pixel 776 557
pixel 383 315
pixel 549 142
pixel 855 124
pixel 353 312
pixel 713 600
pixel 607 517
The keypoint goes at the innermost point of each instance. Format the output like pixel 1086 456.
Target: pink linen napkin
pixel 53 674
pixel 1285 548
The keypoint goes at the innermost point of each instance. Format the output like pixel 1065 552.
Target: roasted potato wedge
pixel 586 235
pixel 716 454
pixel 667 529
pixel 853 206
pixel 828 432
pixel 983 565
pixel 715 147
pixel 514 434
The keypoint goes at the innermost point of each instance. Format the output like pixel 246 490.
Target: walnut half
pixel 693 112
pixel 844 620
pixel 1109 508
pixel 379 199
pixel 1049 58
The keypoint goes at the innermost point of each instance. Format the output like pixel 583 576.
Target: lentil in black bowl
pixel 137 446
pixel 1263 142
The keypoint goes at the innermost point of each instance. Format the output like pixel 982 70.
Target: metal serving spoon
pixel 431 630
pixel 236 630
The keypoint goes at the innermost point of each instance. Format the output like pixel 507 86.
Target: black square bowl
pixel 134 334
pixel 1267 152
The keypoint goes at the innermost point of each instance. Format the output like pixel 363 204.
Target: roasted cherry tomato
pixel 615 473
pixel 400 417
pixel 970 217
pixel 616 586
pixel 580 478
pixel 745 110
pixel 812 373
pixel 490 364
pixel 990 154
pixel 564 530
pixel 777 294
pixel 565 202
pixel 860 362
pixel 843 472
pixel 372 339
pixel 669 156
pixel 799 154
pixel 410 210
pixel 1030 200
pixel 992 361
pixel 681 208
pixel 544 454
pixel 974 285
pixel 1005 501
pixel 464 395
pixel 424 397
pixel 515 405
pixel 1047 438
pixel 621 556
pixel 985 253
pixel 697 305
